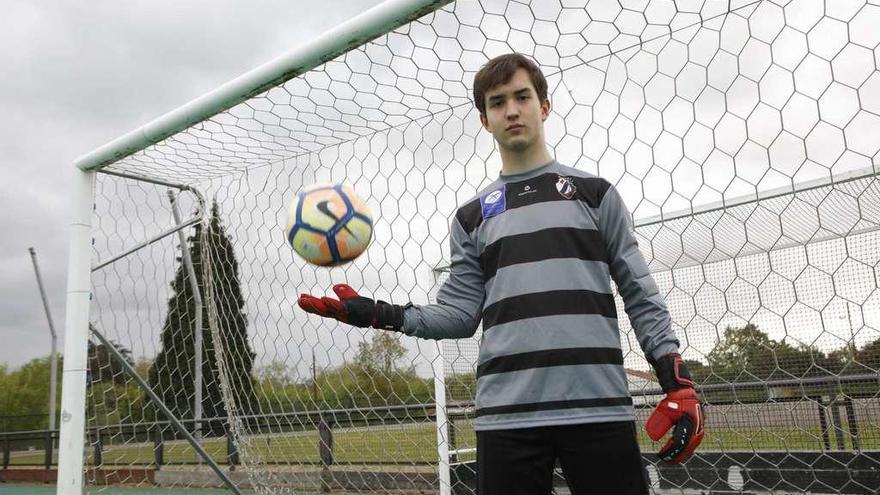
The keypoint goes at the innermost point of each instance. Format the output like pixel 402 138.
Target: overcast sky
pixel 78 74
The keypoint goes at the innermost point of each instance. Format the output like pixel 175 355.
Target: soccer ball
pixel 329 224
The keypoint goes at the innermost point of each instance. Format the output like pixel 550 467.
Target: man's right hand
pixel 354 309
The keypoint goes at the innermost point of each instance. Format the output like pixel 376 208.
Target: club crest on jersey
pixel 493 203
pixel 565 187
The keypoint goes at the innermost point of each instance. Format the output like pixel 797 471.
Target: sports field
pixel 47 489
pixel 417 443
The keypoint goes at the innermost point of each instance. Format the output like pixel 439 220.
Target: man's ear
pixel 484 121
pixel 545 109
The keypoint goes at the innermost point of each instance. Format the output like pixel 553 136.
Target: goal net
pixel 742 135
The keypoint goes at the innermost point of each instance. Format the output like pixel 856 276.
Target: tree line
pixel 380 376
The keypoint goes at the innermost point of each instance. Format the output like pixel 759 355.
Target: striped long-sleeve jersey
pixel 532 255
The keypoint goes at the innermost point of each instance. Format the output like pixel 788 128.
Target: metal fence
pixel 811 414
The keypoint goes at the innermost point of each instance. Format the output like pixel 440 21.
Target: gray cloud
pixel 77 75
pixel 84 74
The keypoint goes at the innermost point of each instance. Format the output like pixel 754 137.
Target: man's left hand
pixel 681 408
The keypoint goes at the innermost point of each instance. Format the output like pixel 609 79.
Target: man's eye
pixel 524 97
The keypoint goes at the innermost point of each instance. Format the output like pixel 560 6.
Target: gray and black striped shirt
pixel 532 256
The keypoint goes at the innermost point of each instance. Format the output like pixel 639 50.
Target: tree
pixel 275 374
pixel 278 392
pixel 142 366
pixel 699 371
pixel 172 374
pixel 376 377
pixel 104 367
pixel 24 396
pixel 747 354
pixel 742 349
pixel 869 356
pixel 380 356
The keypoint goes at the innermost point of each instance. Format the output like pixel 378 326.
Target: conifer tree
pixel 172 374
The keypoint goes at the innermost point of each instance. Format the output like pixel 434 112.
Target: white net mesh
pixel 743 136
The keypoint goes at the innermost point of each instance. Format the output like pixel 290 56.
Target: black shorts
pixel 596 458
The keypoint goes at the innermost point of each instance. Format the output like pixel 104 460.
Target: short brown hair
pixel 500 71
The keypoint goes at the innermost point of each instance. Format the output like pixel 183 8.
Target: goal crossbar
pixel 365 27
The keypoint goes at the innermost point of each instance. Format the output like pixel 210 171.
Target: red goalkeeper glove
pixel 681 408
pixel 355 309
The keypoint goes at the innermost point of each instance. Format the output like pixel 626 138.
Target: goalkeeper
pixel 532 256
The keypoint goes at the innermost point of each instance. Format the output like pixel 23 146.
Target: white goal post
pixel 742 135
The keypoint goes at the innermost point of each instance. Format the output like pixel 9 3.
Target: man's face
pixel 514 113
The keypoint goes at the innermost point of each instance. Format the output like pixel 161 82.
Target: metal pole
pixel 155 238
pixel 180 225
pixel 167 412
pixel 197 326
pixel 443 468
pixel 442 421
pixel 76 336
pixel 53 357
pixel 314 379
pixel 852 332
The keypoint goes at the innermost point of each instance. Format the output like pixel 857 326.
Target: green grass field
pixel 416 443
pixel 29 489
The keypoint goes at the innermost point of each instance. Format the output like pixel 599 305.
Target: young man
pixel 532 257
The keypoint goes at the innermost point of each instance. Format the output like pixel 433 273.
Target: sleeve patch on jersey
pixel 493 202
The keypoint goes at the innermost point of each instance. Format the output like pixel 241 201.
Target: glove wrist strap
pixel 672 373
pixel 389 316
